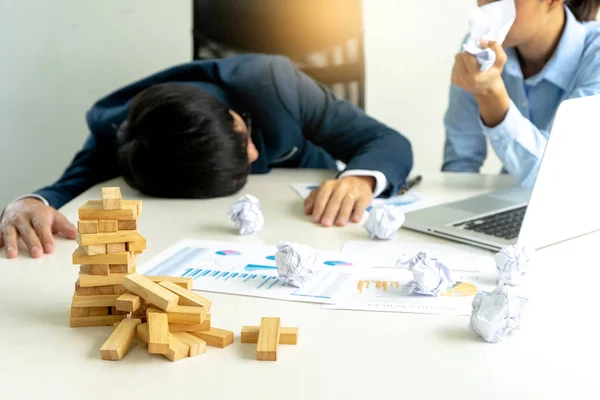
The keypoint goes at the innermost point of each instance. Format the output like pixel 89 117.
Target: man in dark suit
pixel 197 130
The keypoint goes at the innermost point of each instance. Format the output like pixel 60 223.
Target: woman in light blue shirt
pixel 552 53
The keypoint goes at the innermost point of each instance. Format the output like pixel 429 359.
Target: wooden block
pixel 106 238
pixel 137 246
pixel 150 291
pixel 94 210
pixel 80 312
pixel 95 249
pixel 90 226
pixel 204 326
pixel 184 282
pixel 94 301
pixel 134 203
pixel 85 291
pixel 187 297
pixel 128 302
pixel 268 339
pixel 215 337
pixel 128 225
pixel 197 345
pixel 99 311
pixel 112 248
pixel 177 349
pixel 186 315
pixel 158 326
pixel 111 198
pixel 106 320
pixel 79 257
pixel 94 269
pixel 108 226
pixel 86 280
pixel 114 311
pixel 120 340
pixel 119 290
pixel 286 335
pixel 121 269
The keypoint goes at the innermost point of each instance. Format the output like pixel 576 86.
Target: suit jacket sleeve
pixel 94 163
pixel 344 130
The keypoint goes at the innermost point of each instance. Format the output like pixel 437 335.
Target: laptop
pixel 562 204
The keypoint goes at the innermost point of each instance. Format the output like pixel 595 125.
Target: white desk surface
pixel 340 355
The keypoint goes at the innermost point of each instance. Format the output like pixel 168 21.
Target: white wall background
pixel 59 56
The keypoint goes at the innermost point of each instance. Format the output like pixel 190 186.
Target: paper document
pixel 389 290
pixel 409 201
pixel 248 270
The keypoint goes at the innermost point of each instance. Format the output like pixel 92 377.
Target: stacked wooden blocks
pixel 108 247
pixel 165 315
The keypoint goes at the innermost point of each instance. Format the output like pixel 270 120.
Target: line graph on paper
pixel 248 270
pixel 391 291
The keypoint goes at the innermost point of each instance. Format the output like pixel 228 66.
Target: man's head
pixel 181 142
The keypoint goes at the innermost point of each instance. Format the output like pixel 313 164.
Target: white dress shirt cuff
pixel 26 196
pixel 382 182
pixel 507 129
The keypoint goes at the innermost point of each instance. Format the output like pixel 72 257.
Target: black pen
pixel 410 184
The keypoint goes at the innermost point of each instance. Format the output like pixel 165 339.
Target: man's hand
pixel 35 223
pixel 338 200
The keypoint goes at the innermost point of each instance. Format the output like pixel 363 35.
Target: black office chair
pixel 323 37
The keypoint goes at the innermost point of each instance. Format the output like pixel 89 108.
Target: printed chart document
pixel 248 270
pixel 384 287
pixel 407 202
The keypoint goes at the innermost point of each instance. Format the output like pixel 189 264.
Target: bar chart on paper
pixel 246 270
pixel 390 291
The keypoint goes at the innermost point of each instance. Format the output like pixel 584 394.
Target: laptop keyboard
pixel 505 225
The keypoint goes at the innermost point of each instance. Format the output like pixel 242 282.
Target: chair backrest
pixel 323 37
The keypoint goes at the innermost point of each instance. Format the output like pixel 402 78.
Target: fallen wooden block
pixel 215 337
pixel 121 269
pixel 120 340
pixel 94 210
pixel 95 249
pixel 150 291
pixel 158 325
pixel 94 301
pixel 105 320
pixel 112 248
pixel 87 280
pixel 197 346
pixel 107 226
pixel 184 282
pixel 286 335
pixel 187 297
pixel 268 339
pixel 177 349
pixel 186 315
pixel 87 226
pixel 111 198
pixel 80 257
pixel 128 225
pixel 128 302
pixel 105 238
pixel 204 326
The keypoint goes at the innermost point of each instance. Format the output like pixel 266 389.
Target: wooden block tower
pixel 108 247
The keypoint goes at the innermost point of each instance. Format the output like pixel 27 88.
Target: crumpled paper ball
pixel 497 313
pixel 296 263
pixel 512 263
pixel 430 276
pixel 384 221
pixel 246 215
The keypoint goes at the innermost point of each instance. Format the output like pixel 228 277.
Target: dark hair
pixel 179 142
pixel 584 10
